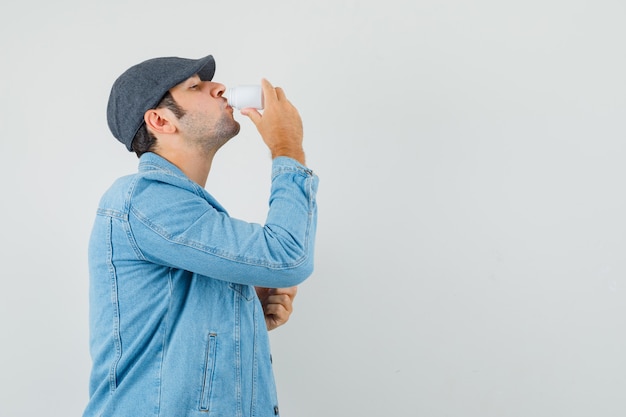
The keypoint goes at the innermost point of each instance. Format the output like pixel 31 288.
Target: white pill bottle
pixel 244 96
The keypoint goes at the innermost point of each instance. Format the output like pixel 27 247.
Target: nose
pixel 217 89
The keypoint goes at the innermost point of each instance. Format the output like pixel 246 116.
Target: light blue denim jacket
pixel 176 328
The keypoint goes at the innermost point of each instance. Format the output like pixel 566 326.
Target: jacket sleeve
pixel 178 228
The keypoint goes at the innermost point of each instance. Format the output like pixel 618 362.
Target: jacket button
pixel 275 410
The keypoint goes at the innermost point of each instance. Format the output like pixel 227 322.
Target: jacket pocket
pixel 209 371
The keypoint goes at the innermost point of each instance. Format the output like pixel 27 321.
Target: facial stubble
pixel 209 134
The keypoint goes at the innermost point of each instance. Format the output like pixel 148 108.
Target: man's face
pixel 208 119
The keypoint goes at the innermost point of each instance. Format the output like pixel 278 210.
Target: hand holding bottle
pixel 280 124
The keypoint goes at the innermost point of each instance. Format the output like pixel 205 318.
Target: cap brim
pixel 206 68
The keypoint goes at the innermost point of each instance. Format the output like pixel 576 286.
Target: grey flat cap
pixel 141 87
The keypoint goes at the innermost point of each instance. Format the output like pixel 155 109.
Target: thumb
pixel 253 114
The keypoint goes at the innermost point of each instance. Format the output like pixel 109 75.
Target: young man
pixel 181 294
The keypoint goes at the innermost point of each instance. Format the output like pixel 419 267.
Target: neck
pixel 194 163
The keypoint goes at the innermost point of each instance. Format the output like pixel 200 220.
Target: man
pixel 181 294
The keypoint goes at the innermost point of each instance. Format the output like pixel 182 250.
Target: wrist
pixel 297 154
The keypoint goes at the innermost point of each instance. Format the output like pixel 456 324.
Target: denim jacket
pixel 176 327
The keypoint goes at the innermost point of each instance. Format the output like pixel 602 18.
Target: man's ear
pixel 159 121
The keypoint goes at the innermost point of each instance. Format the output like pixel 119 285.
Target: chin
pixel 226 133
pixel 237 128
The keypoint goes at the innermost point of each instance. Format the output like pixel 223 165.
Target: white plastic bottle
pixel 244 96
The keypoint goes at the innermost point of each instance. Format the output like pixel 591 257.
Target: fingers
pixel 279 310
pixel 269 92
pixel 276 315
pixel 280 94
pixel 279 300
pixel 277 304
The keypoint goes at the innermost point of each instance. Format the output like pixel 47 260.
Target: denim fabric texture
pixel 176 327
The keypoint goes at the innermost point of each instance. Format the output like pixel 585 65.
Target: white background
pixel 472 230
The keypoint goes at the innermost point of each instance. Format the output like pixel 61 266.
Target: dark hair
pixel 144 141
